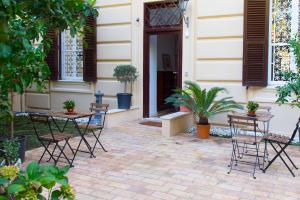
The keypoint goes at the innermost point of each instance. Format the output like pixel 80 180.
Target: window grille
pixel 163 14
pixel 285 24
pixel 71 56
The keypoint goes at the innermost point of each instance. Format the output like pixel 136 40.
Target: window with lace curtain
pixel 285 24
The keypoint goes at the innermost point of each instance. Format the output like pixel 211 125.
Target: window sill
pixel 71 81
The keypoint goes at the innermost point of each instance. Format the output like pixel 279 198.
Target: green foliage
pixel 290 92
pixel 69 104
pixel 23 42
pixel 126 74
pixel 203 103
pixel 252 106
pixel 31 183
pixel 11 148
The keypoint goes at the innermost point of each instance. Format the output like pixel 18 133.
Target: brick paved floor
pixel 140 164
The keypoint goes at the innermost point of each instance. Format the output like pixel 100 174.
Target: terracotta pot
pixel 251 114
pixel 70 110
pixel 184 109
pixel 203 131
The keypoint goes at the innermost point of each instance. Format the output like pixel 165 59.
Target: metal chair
pixel 282 143
pixel 246 139
pixel 101 111
pixel 44 130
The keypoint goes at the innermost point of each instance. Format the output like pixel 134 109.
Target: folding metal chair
pixel 246 139
pixel 44 130
pixel 282 143
pixel 96 129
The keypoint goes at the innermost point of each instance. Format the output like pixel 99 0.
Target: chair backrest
pixel 41 123
pixel 100 109
pixel 243 125
pixel 297 129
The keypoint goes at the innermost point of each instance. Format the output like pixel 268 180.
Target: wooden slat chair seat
pixel 90 126
pixel 56 137
pixel 277 138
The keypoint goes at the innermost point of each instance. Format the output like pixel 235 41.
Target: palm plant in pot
pixel 126 74
pixel 204 104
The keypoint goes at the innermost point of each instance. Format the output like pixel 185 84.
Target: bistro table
pixel 73 119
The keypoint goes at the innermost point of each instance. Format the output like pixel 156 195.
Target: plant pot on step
pixel 184 109
pixel 124 100
pixel 203 131
pixel 22 148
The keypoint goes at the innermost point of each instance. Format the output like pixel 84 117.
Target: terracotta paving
pixel 142 165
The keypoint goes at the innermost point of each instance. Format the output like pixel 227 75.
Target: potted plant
pixel 36 182
pixel 252 108
pixel 70 106
pixel 204 104
pixel 126 74
pixel 185 108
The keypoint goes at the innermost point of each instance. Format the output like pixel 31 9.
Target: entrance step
pixel 152 122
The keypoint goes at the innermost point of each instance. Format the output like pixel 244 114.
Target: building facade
pixel 212 48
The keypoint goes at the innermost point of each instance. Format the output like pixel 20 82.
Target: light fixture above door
pixel 183 5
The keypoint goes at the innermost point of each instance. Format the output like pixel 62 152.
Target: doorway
pixel 162 57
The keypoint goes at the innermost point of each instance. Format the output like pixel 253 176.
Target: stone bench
pixel 176 123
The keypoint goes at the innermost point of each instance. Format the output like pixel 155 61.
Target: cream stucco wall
pixel 212 56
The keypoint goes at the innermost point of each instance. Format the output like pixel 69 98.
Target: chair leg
pixel 233 157
pixel 256 160
pixel 98 141
pixel 63 153
pixel 53 151
pixel 288 157
pixel 278 155
pixel 47 150
pixel 67 141
pixel 44 152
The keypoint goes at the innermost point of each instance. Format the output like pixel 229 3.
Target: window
pixel 67 59
pixel 71 56
pixel 285 24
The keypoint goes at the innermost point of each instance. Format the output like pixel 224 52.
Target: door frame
pixel 148 31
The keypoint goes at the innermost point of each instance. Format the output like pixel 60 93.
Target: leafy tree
pixel 290 91
pixel 24 44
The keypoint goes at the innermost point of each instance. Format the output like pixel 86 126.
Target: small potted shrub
pixel 252 108
pixel 70 106
pixel 126 74
pixel 204 104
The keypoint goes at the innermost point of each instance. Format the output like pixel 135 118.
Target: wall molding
pixel 221 16
pixel 113 5
pixel 221 37
pixel 115 42
pixel 113 60
pixel 218 59
pixel 114 24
